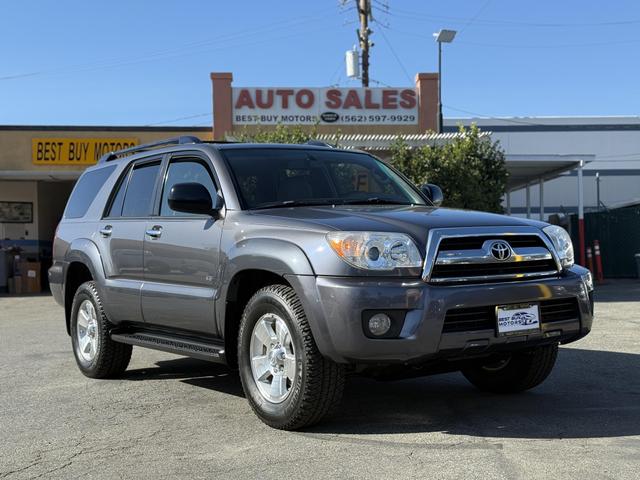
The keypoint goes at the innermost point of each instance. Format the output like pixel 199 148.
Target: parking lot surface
pixel 173 417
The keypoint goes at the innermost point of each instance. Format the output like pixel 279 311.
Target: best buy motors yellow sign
pixel 75 151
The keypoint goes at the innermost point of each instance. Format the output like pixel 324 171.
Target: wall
pixel 20 192
pixel 15 141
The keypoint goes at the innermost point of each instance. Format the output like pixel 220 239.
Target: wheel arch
pixel 83 264
pixel 240 288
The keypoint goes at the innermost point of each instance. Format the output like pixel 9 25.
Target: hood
pixel 413 220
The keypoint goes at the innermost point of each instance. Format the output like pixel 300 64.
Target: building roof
pixel 382 141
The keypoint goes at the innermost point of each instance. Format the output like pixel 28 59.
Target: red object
pixel 589 259
pixel 581 239
pixel 596 249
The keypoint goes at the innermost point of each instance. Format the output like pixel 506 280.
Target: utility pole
pixel 364 12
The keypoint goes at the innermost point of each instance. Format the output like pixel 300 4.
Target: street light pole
pixel 597 191
pixel 439 87
pixel 443 36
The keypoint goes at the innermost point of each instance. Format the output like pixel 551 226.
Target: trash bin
pixel 637 255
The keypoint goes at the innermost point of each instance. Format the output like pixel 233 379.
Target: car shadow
pixel 192 371
pixel 590 394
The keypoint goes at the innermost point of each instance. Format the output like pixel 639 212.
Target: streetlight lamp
pixel 443 36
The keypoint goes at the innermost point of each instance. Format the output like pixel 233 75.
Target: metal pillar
pixel 439 119
pixel 581 239
pixel 542 199
pixel 508 202
pixel 528 201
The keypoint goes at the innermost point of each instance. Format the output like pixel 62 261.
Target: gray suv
pixel 300 264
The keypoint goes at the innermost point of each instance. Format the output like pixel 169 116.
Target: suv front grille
pixel 484 318
pixel 471 259
pixel 470 243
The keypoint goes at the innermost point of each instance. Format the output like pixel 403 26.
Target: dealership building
pixel 557 165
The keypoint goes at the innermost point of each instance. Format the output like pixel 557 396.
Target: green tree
pixel 470 170
pixel 281 134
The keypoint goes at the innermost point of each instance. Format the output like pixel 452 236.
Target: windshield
pixel 271 178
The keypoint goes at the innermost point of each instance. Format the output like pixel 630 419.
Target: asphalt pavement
pixel 174 417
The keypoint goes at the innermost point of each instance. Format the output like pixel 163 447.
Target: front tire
pixel 514 373
pixel 96 354
pixel 288 383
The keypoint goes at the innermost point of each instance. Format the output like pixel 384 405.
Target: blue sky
pixel 148 62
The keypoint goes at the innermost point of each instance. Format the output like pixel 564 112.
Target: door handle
pixel 154 232
pixel 106 231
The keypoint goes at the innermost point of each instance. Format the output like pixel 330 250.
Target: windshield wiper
pixel 329 201
pixel 295 203
pixel 373 201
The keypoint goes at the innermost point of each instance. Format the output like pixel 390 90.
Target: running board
pixel 205 350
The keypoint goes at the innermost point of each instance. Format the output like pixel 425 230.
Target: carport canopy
pixel 527 169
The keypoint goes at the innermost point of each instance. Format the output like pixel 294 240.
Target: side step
pixel 212 351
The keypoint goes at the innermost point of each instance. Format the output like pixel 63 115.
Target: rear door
pixel 121 237
pixel 182 254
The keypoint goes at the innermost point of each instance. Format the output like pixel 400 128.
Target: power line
pixel 190 48
pixel 520 46
pixel 173 120
pixel 384 37
pixel 475 17
pixel 494 22
pixel 553 46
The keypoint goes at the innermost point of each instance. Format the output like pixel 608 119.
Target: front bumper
pixel 334 307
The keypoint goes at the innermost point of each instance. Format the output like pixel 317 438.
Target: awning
pixel 527 169
pixel 48 175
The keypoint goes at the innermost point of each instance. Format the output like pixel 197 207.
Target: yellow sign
pixel 75 151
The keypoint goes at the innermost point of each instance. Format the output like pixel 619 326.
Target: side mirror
pixel 433 193
pixel 193 198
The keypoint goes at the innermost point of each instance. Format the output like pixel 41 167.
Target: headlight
pixel 375 250
pixel 562 243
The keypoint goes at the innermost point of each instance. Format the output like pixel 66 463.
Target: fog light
pixel 379 324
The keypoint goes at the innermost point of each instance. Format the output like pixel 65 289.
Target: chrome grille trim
pixel 485 278
pixel 465 257
pixel 478 256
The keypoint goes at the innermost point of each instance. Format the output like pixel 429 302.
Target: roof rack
pixel 183 139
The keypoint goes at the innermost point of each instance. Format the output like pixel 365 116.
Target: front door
pixel 181 256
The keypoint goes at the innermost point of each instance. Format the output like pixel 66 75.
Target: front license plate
pixel 513 319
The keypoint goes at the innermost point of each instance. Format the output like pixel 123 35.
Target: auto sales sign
pixel 339 106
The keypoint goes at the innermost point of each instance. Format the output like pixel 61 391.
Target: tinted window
pixel 183 171
pixel 137 201
pixel 281 177
pixel 86 190
pixel 115 210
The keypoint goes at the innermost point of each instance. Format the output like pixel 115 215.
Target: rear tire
pixel 515 373
pixel 96 354
pixel 286 380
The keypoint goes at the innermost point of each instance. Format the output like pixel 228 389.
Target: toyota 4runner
pixel 299 264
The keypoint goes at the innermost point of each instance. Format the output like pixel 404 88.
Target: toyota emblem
pixel 500 250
